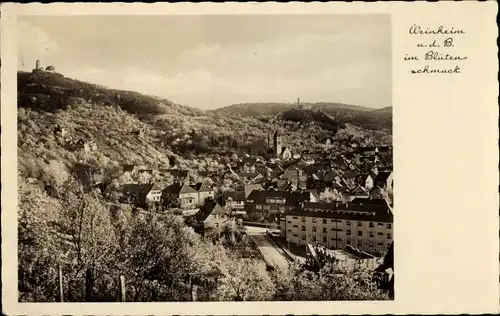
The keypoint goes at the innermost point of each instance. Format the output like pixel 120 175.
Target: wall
pixel 184 199
pixel 203 195
pixel 336 233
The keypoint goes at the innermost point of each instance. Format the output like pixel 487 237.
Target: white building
pixel 364 224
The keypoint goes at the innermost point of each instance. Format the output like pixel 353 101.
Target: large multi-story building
pixel 364 224
pixel 271 204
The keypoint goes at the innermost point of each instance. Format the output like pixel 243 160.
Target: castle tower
pixel 37 64
pixel 277 143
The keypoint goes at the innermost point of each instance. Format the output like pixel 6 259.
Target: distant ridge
pixel 365 117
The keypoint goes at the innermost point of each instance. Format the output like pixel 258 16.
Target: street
pixel 269 250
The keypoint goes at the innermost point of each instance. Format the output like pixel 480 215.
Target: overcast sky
pixel 215 61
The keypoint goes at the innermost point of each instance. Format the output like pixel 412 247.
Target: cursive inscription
pixel 434 50
pixel 417 29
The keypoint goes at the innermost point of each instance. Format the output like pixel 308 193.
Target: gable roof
pixel 382 176
pixel 187 189
pixel 177 188
pixel 210 207
pixel 291 198
pixel 251 187
pixel 137 189
pixel 203 186
pixel 234 195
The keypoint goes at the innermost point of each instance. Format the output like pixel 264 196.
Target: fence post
pixel 123 290
pixel 194 292
pixel 61 291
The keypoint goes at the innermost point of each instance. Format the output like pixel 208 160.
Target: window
pixel 360 243
pixel 332 220
pixel 324 239
pixel 295 226
pixel 348 223
pixel 360 224
pixel 360 233
pixel 336 229
pixel 380 234
pixel 389 236
pixel 348 232
pixel 380 244
pixel 289 222
pixel 295 235
pixel 324 229
pixel 295 217
pixel 314 220
pixel 371 224
pixel 314 238
pixel 303 228
pixel 380 224
pixel 303 237
pixel 289 230
pixel 314 228
pixel 371 235
pixel 324 220
pixel 388 226
pixel 303 219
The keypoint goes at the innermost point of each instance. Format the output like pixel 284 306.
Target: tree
pixel 92 245
pixel 243 279
pixel 330 195
pixel 38 247
pixel 55 174
pixel 327 284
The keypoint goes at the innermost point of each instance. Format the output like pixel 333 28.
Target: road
pixel 269 249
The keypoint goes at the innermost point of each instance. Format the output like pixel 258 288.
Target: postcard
pixel 249 158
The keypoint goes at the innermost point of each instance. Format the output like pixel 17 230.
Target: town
pixel 296 206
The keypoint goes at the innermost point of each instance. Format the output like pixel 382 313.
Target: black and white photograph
pixel 195 158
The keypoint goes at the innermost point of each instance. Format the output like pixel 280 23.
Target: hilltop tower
pixel 277 143
pixel 298 101
pixel 37 66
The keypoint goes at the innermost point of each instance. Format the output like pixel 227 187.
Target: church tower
pixel 270 143
pixel 277 143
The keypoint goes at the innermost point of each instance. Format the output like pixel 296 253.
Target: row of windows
pixel 348 223
pixel 360 243
pixel 348 232
pixel 275 201
pixel 268 207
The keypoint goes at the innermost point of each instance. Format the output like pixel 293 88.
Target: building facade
pixel 333 225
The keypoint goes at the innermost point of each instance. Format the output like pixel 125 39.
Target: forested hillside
pixel 367 118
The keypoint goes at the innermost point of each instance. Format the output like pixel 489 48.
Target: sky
pixel 215 61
